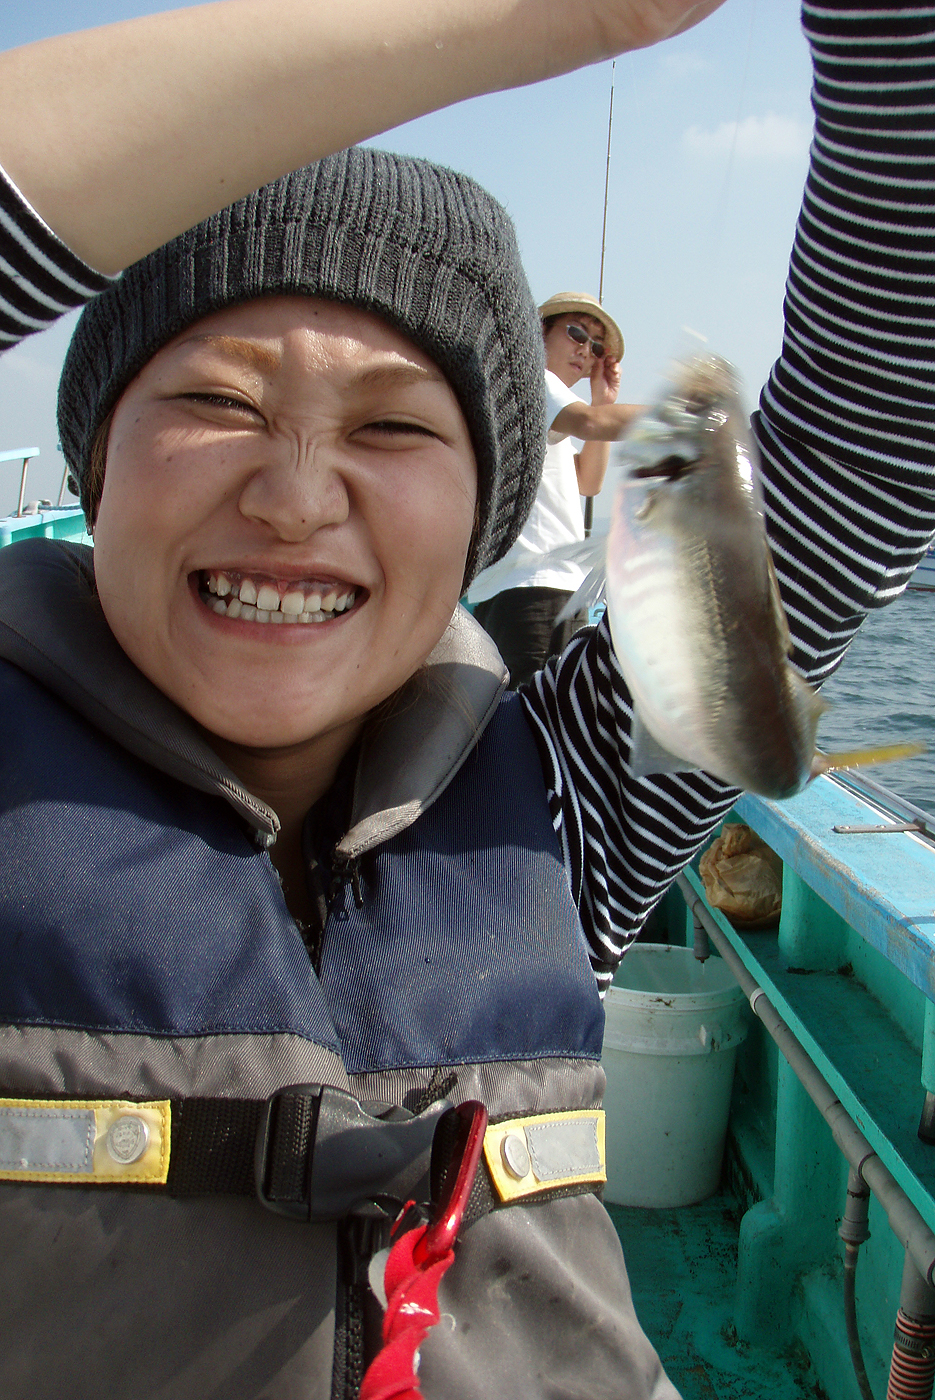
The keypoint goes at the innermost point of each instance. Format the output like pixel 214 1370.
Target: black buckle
pixel 320 1155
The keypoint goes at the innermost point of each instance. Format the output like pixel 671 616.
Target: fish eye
pixel 667 469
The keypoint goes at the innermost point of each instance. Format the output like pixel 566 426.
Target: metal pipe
pixel 905 1221
pixel 24 455
pixel 64 486
pixel 916 1296
pixel 926 1129
pixel 700 944
pixel 854 1231
pixel 22 486
pixel 927 1119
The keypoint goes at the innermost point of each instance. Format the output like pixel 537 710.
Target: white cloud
pixel 683 65
pixel 755 138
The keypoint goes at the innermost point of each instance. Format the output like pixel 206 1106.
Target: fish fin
pixel 588 553
pixel 861 758
pixel 814 703
pixel 647 755
pixel 775 598
pixel 588 595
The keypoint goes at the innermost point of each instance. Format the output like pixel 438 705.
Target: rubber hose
pixel 850 1321
pixel 912 1370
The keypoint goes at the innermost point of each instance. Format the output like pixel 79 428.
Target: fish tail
pixel 861 758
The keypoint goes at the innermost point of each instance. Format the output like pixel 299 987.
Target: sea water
pixel 883 693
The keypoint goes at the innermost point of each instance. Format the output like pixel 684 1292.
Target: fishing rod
pixel 589 500
pixel 610 123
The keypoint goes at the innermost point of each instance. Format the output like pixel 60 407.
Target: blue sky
pixel 709 151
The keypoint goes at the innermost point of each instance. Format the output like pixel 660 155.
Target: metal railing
pixel 24 455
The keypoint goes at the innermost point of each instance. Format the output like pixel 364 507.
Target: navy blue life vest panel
pixel 480 954
pixel 129 901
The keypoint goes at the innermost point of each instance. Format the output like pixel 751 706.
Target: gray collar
pixel 52 627
pixel 434 724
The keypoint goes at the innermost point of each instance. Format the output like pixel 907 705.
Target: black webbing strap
pixel 484 1199
pixel 310 1152
pixel 213 1147
pixel 214 1153
pixel 292 1127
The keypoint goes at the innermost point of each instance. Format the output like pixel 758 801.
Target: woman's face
pixel 286 515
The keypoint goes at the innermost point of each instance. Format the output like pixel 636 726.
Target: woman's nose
pixel 297 492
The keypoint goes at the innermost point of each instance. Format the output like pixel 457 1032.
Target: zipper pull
pixel 345 869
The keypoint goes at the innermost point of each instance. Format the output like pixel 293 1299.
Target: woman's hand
pixel 635 24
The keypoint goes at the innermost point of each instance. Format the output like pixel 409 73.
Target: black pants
pixel 522 623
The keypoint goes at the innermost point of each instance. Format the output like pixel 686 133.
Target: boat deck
pixel 683 1273
pixel 743 1293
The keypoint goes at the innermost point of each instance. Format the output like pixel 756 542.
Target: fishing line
pixel 610 123
pixel 716 238
pixel 589 500
pixel 719 213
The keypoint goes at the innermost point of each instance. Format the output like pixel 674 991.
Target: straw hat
pixel 570 303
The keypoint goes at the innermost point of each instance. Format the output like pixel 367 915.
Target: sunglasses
pixel 580 336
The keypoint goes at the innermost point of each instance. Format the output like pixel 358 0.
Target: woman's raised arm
pixel 123 136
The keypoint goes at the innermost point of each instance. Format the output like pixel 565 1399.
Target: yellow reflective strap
pixel 545 1151
pixel 85 1141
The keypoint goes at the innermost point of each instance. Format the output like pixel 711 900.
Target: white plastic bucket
pixel 672 1030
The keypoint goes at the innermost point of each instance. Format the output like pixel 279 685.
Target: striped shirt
pixel 40 279
pixel 844 427
pixel 846 433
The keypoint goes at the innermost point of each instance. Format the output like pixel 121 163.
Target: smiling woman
pixel 296 450
pixel 313 453
pixel 286 872
pixel 286 461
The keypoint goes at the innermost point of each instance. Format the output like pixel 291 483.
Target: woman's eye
pixel 220 401
pixel 392 427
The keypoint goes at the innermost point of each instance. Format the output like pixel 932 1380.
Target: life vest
pixel 146 954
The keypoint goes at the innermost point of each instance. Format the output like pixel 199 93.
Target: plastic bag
pixel 742 877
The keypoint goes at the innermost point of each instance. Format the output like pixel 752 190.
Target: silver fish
pixel 693 602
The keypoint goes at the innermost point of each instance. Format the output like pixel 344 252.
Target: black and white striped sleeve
pixel 846 430
pixel 40 278
pixel 624 839
pixel 846 425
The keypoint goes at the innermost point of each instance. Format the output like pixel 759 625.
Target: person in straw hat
pixel 519 598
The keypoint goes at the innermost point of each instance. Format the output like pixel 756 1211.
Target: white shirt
pixel 556 518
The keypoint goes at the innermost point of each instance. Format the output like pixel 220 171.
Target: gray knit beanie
pixel 425 248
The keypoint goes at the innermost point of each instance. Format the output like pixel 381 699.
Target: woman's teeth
pixel 230 596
